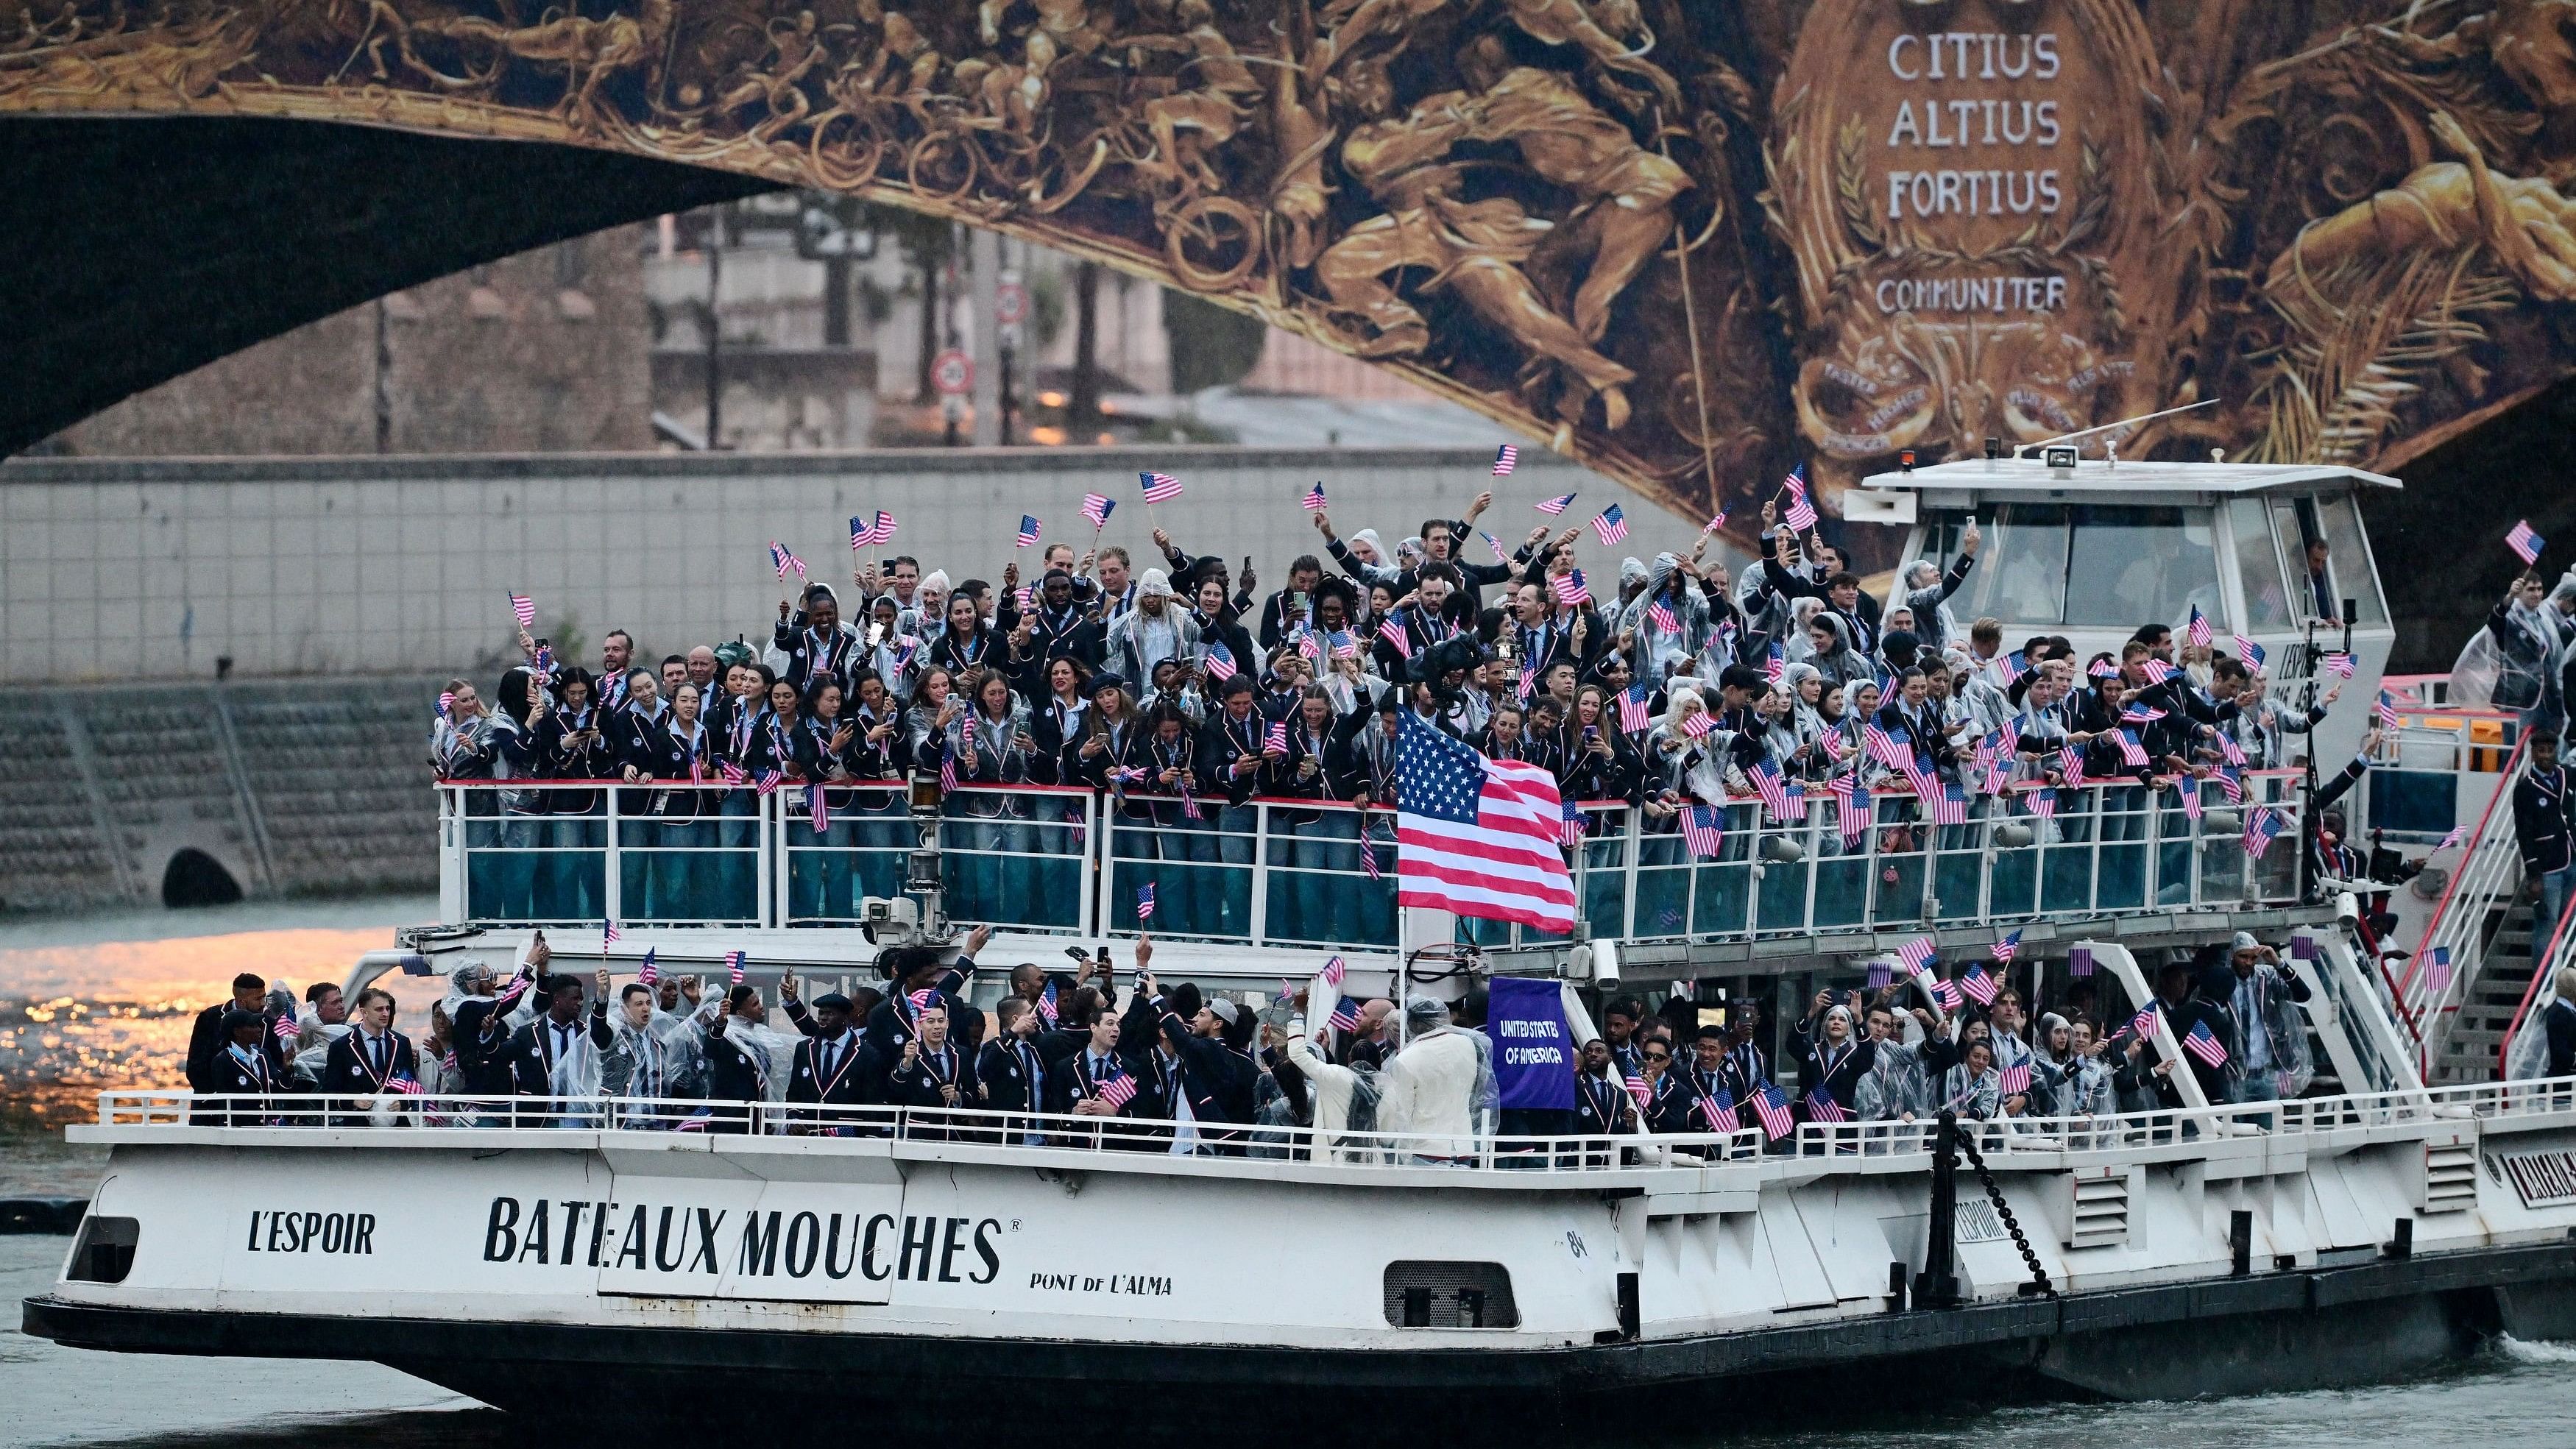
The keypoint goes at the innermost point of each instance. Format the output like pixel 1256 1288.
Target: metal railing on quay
pixel 1313 873
pixel 2005 1135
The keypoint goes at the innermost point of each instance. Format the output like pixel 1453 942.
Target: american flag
pixel 1638 1091
pixel 1786 799
pixel 285 1027
pixel 1772 1106
pixel 2156 670
pixel 1832 741
pixel 526 609
pixel 609 935
pixel 1775 664
pixel 2437 969
pixel 2387 711
pixel 733 773
pixel 1632 709
pixel 1145 901
pixel 2231 785
pixel 767 784
pixel 1612 525
pixel 1190 805
pixel 1821 1107
pixel 1570 832
pixel 947 772
pixel 2458 833
pixel 2524 542
pixel 1946 993
pixel 1220 662
pixel 1344 644
pixel 878 534
pixel 2249 652
pixel 1391 629
pixel 1660 614
pixel 2140 714
pixel 1717 1109
pixel 2007 948
pixel 1854 809
pixel 2103 669
pixel 1704 831
pixel 1881 746
pixel 2043 803
pixel 1026 597
pixel 2013 1081
pixel 734 962
pixel 1478 836
pixel 1118 1091
pixel 1714 524
pixel 2131 750
pixel 1030 528
pixel 2016 664
pixel 1506 458
pixel 2198 633
pixel 2143 1025
pixel 1979 986
pixel 1496 545
pixel 783 560
pixel 1314 499
pixel 2204 1044
pixel 2261 829
pixel 446 702
pixel 1276 742
pixel 859 533
pixel 1334 972
pixel 1557 505
pixel 819 814
pixel 1919 955
pixel 1346 1015
pixel 406 1084
pixel 2339 664
pixel 1950 806
pixel 1570 587
pixel 2189 789
pixel 2079 961
pixel 1699 724
pixel 1159 487
pixel 649 972
pixel 2228 750
pixel 1309 645
pixel 1046 1007
pixel 1097 507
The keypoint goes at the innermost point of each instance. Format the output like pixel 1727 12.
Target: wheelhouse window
pixel 2090 566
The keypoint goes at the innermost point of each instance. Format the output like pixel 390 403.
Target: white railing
pixel 1292 872
pixel 2489 871
pixel 2011 1136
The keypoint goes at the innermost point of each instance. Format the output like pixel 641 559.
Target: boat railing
pixel 397 1118
pixel 1323 874
pixel 2541 990
pixel 2489 870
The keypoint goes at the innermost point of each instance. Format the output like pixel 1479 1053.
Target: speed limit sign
pixel 953 373
pixel 1010 303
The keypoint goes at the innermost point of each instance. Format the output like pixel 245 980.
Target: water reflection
pixel 93 1003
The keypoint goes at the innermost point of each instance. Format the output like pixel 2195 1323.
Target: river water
pixel 106 1001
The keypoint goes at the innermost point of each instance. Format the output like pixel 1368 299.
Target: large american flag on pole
pixel 1478 836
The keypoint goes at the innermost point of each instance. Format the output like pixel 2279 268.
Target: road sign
pixel 953 373
pixel 1010 303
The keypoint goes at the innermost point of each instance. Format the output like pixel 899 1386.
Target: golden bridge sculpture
pixel 1686 242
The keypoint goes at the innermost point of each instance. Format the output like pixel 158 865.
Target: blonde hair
pixel 2567 983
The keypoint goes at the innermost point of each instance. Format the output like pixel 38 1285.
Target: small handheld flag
pixel 783 560
pixel 1145 901
pixel 1557 505
pixel 2250 653
pixel 1030 529
pixel 1821 1107
pixel 1919 955
pixel 1314 499
pixel 2198 632
pixel 2438 970
pixel 1097 507
pixel 1159 487
pixel 1496 545
pixel 2525 543
pixel 2339 664
pixel 1346 1015
pixel 1611 526
pixel 1772 1106
pixel 2204 1044
pixel 2013 1081
pixel 1636 1085
pixel 1660 614
pixel 734 962
pixel 609 936
pixel 1506 458
pixel 1703 830
pixel 2388 719
pixel 526 610
pixel 2007 948
pixel 1220 662
pixel 1391 629
pixel 1632 709
pixel 1119 1091
pixel 1801 513
pixel 1979 986
pixel 1571 589
pixel 649 972
pixel 2261 829
pixel 285 1028
pixel 1276 742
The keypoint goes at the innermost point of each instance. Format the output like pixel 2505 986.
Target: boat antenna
pixel 2207 402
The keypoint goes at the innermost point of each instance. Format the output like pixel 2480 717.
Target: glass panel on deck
pixel 2352 568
